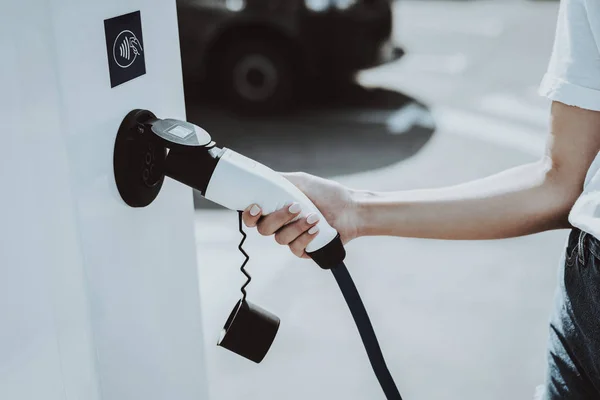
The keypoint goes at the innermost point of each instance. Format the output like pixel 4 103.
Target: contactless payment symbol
pixel 124 45
pixel 126 49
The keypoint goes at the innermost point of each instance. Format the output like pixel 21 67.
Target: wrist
pixel 362 208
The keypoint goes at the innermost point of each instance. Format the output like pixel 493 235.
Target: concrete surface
pixel 456 320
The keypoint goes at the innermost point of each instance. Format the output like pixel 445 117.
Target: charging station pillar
pixel 97 300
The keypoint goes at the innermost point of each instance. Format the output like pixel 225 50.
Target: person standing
pixel 559 191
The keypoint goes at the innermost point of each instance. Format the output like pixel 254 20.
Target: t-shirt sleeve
pixel 573 75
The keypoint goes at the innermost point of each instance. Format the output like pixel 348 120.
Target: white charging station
pixel 97 300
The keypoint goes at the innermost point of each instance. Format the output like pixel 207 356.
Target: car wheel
pixel 257 76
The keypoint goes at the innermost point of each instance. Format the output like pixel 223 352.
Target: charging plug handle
pixel 192 156
pixel 148 148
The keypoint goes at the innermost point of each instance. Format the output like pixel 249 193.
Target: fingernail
pixel 254 210
pixel 312 218
pixel 295 208
pixel 313 230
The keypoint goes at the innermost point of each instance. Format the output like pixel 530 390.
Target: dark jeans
pixel 574 343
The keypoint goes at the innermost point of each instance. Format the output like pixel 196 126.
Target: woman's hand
pixel 335 202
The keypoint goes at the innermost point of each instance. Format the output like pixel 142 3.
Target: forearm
pixel 516 202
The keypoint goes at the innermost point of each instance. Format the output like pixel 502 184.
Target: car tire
pixel 257 76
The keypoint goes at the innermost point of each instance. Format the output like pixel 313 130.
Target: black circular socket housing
pixel 138 161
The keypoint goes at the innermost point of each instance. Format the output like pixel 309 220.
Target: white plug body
pixel 238 181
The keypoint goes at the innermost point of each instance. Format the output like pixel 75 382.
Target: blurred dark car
pixel 258 54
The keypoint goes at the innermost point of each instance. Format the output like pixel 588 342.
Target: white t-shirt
pixel 573 78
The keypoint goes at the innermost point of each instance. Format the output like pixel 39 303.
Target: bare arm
pixel 520 201
pixel 531 198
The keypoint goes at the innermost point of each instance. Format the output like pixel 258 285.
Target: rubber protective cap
pixel 249 331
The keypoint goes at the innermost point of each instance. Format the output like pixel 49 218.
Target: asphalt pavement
pixel 456 320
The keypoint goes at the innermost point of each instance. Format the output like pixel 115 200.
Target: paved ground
pixel 456 320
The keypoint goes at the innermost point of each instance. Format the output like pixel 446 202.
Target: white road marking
pixel 408 117
pixel 451 64
pixel 397 122
pixel 483 27
pixel 508 105
pixel 492 130
pixel 480 126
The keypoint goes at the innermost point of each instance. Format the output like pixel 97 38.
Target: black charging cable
pixel 335 250
pixel 365 329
